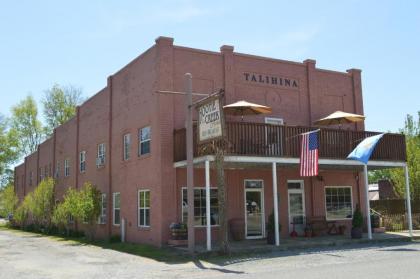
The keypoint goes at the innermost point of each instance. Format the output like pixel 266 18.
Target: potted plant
pixel 308 230
pixel 357 223
pixel 270 228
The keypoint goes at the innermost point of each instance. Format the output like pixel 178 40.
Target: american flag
pixel 309 154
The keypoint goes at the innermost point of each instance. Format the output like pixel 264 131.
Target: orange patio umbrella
pixel 339 118
pixel 246 108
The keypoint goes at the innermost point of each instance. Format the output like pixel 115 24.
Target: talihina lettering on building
pixel 271 80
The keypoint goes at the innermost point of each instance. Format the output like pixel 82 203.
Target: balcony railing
pixel 259 139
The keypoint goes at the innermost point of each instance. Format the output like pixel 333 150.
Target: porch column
pixel 276 205
pixel 369 224
pixel 207 171
pixel 408 201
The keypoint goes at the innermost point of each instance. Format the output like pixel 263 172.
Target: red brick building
pixel 129 141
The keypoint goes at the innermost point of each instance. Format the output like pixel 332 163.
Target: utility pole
pixel 190 167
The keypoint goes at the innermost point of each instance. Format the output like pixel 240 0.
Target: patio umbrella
pixel 245 108
pixel 339 118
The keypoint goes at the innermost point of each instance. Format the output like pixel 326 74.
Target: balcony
pixel 266 140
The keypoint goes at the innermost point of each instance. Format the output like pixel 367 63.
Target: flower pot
pixel 356 233
pixel 271 239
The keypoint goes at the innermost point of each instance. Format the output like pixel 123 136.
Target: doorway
pixel 254 209
pixel 296 199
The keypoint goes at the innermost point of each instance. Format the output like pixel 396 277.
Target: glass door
pixel 254 209
pixel 296 198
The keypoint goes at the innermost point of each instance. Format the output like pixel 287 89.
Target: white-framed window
pixel 144 140
pixel 82 161
pixel 200 206
pixel 144 208
pixel 66 168
pixel 100 159
pixel 116 203
pixel 126 146
pixel 70 219
pixel 338 202
pixel 102 216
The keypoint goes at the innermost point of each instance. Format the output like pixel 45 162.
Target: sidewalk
pixel 303 243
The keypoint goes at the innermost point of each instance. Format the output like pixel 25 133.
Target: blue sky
pixel 83 42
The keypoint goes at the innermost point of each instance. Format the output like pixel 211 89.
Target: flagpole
pixel 369 223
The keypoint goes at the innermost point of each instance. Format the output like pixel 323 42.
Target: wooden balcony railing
pixel 259 139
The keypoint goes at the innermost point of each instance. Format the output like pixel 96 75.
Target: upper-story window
pixel 82 161
pixel 126 146
pixel 144 140
pixel 30 178
pixel 66 168
pixel 100 159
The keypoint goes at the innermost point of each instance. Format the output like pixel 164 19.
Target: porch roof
pixel 266 162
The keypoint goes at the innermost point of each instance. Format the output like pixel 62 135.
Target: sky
pixel 83 42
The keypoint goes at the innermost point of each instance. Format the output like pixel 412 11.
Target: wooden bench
pixel 320 225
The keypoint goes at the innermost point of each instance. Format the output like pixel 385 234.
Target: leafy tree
pixel 397 176
pixel 22 213
pixel 83 205
pixel 8 200
pixel 43 203
pixel 26 127
pixel 60 105
pixel 8 151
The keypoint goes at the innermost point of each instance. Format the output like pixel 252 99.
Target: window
pixel 144 208
pixel 30 178
pixel 50 172
pixel 100 160
pixel 338 203
pixel 102 216
pixel 82 160
pixel 144 140
pixel 127 146
pixel 46 171
pixel 200 207
pixel 66 168
pixel 40 174
pixel 116 209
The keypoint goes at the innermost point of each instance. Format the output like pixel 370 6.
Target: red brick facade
pixel 299 93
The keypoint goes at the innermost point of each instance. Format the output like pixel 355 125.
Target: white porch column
pixel 207 171
pixel 408 201
pixel 369 223
pixel 276 205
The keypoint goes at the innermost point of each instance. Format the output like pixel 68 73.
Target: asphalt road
pixel 24 255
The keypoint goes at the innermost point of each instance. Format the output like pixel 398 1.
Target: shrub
pixel 357 218
pixel 8 201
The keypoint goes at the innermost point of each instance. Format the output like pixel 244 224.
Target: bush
pixel 8 201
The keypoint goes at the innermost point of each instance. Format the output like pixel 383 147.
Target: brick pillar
pixel 310 80
pixel 163 139
pixel 357 95
pixel 110 205
pixel 228 72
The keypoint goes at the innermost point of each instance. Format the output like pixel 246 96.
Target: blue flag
pixel 364 149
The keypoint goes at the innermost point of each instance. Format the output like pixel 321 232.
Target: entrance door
pixel 273 137
pixel 296 197
pixel 254 209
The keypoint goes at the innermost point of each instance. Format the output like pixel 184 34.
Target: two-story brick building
pixel 129 141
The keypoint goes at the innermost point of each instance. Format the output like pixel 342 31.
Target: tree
pixel 8 200
pixel 26 127
pixel 8 151
pixel 397 176
pixel 42 205
pixel 60 105
pixel 84 205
